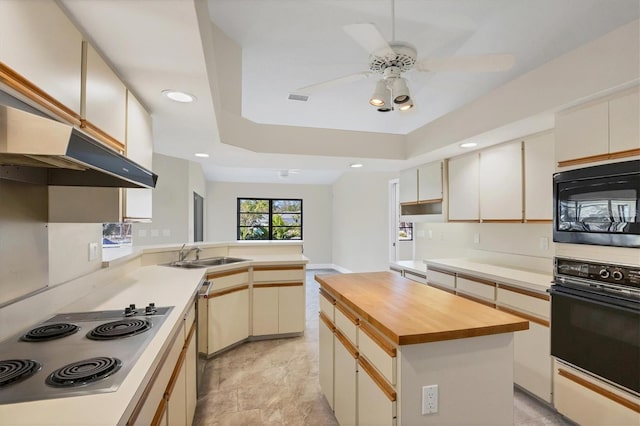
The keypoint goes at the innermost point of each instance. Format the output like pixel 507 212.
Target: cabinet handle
pixel 205 294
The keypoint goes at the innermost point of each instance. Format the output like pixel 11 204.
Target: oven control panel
pixel 602 272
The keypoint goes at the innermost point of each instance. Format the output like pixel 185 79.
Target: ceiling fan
pixel 391 59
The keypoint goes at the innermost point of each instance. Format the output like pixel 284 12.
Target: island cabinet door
pixel 326 350
pixel 376 397
pixel 345 366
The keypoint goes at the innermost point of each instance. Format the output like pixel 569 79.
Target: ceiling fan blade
pixel 369 37
pixel 307 90
pixel 480 63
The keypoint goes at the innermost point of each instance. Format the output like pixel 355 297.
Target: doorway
pixel 198 218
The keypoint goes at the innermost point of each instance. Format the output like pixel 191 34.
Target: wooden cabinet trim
pixel 325 319
pixel 226 273
pixel 476 299
pixel 432 201
pixel 443 288
pixel 160 412
pixel 601 157
pixel 152 380
pixel 442 271
pixel 379 340
pixel 538 221
pixel 291 284
pixel 350 316
pixel 525 292
pixel 379 380
pixel 502 220
pixel 23 86
pixel 415 274
pixel 346 343
pixel 599 390
pixel 524 315
pixel 477 280
pixel 464 220
pixel 327 296
pixel 101 135
pixel 279 268
pixel 227 291
pixel 409 203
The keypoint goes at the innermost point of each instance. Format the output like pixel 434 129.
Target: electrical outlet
pixel 429 399
pixel 93 251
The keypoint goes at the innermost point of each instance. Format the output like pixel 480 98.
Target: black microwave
pixel 598 205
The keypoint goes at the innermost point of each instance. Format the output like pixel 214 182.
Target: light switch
pixel 93 251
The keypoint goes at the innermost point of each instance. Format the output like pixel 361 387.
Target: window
pixel 116 234
pixel 269 219
pixel 405 231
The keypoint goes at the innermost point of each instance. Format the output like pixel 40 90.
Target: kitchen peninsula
pixel 383 338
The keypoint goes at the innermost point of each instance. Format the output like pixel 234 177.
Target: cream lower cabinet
pixel 278 308
pixel 376 399
pixel 325 357
pixel 228 317
pixel 588 401
pixel 344 392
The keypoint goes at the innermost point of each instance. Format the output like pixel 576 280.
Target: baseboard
pixel 328 266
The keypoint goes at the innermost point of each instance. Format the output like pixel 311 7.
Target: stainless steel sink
pixel 205 263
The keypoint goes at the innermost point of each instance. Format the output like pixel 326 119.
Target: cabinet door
pixel 539 166
pixel 325 361
pixel 430 182
pixel 624 123
pixel 582 132
pixel 464 188
pixel 41 44
pixel 228 318
pixel 177 399
pixel 106 97
pixel 408 186
pixel 532 360
pixel 191 380
pixel 501 182
pixel 375 406
pixel 139 142
pixel 265 310
pixel 291 309
pixel 344 392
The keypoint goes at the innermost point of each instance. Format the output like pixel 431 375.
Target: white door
pixel 394 218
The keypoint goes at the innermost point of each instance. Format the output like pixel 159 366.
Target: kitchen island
pixel 383 338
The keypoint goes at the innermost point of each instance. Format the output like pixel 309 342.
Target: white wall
pixel 361 221
pixel 172 203
pixel 221 213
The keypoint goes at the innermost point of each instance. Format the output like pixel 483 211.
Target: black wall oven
pixel 598 205
pixel 595 320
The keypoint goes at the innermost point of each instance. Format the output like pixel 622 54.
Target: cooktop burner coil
pixel 50 332
pixel 117 329
pixel 84 372
pixel 14 370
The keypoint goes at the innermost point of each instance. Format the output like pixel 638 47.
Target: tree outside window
pixel 269 219
pixel 405 231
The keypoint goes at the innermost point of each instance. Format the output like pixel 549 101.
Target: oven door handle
pixel 606 301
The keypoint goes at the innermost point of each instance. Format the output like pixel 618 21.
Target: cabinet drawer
pixel 527 301
pixel 481 288
pixel 278 273
pixel 378 351
pixel 347 323
pixel 228 279
pixel 443 279
pixel 413 276
pixel 376 398
pixel 327 304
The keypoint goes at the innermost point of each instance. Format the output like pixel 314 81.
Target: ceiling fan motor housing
pixel 404 58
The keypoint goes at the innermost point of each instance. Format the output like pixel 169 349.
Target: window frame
pixel 270 217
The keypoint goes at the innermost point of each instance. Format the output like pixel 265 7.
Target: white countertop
pixel 163 285
pixel 535 281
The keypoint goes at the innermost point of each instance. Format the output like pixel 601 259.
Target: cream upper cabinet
pixel 539 166
pixel 501 191
pixel 106 97
pixel 408 186
pixel 464 189
pixel 39 42
pixel 583 132
pixel 138 202
pixel 624 122
pixel 430 182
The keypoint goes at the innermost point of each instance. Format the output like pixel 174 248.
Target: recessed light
pixel 468 145
pixel 201 155
pixel 178 96
pixel 356 165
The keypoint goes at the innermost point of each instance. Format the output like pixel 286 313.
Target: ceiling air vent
pixel 297 97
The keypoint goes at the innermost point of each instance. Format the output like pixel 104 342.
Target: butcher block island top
pixel 411 313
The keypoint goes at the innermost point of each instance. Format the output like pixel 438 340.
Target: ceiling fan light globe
pixel 400 90
pixel 406 106
pixel 376 102
pixel 384 109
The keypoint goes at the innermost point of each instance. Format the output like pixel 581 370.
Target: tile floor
pixel 275 382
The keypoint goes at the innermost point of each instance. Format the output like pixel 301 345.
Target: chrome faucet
pixel 182 255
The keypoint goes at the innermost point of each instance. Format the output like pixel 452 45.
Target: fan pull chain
pixel 393 20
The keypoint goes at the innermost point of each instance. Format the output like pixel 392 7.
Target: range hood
pixel 39 149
